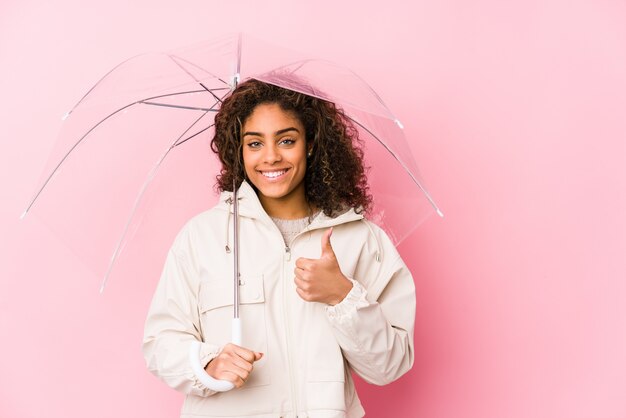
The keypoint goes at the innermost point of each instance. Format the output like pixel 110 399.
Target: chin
pixel 272 192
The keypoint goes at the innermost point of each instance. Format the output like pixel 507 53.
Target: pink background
pixel 516 113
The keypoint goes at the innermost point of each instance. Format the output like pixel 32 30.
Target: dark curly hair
pixel 335 175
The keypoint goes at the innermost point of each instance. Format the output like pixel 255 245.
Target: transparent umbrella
pixel 151 117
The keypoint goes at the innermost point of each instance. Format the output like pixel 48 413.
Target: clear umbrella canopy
pixel 151 117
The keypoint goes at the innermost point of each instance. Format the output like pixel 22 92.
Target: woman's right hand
pixel 233 363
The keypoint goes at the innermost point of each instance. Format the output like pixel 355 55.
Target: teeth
pixel 273 174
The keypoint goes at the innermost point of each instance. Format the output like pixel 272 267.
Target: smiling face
pixel 274 157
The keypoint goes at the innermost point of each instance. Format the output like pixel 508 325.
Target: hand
pixel 234 364
pixel 321 280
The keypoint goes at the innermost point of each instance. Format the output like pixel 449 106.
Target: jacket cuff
pixel 354 300
pixel 208 352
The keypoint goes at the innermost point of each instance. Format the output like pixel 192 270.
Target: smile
pixel 273 174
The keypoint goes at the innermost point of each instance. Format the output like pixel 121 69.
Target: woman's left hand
pixel 321 280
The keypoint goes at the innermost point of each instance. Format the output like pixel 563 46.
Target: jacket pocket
pixel 216 308
pixel 327 364
pixel 220 293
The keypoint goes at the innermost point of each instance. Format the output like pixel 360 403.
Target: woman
pixel 313 309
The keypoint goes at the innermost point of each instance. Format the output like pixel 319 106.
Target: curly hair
pixel 335 176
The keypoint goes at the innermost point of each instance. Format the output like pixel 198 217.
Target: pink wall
pixel 516 111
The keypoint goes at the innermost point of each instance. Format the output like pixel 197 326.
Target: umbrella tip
pixel 66 115
pixel 440 213
pixel 400 125
pixel 23 215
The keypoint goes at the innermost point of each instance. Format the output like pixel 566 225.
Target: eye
pixel 287 141
pixel 254 144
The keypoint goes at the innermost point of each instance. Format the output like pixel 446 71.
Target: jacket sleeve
pixel 374 326
pixel 173 323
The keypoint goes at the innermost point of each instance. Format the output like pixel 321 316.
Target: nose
pixel 271 154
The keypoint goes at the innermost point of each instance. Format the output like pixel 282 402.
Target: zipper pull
pixel 287 254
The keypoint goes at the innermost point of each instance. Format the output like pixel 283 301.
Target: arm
pixel 376 336
pixel 374 327
pixel 171 326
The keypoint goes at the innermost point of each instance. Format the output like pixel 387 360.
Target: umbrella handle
pixel 198 370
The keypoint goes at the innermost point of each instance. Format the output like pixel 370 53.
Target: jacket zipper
pixel 292 370
pixel 287 323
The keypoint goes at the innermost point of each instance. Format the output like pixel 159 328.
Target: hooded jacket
pixel 310 348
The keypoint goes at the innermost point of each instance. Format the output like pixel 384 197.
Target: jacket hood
pixel 250 207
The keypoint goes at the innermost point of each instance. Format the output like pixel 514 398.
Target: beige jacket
pixel 310 348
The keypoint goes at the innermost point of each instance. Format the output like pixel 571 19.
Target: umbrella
pixel 155 109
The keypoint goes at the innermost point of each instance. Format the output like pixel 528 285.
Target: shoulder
pixel 361 228
pixel 205 224
pixel 357 234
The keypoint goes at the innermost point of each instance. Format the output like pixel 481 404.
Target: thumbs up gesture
pixel 321 280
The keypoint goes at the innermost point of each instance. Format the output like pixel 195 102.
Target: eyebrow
pixel 279 132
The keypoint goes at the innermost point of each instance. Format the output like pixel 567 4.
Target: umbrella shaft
pixel 236 252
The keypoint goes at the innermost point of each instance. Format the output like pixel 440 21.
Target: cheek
pixel 299 157
pixel 248 162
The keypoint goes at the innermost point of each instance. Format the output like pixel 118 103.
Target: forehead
pixel 270 115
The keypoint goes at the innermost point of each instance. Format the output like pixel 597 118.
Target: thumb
pixel 257 356
pixel 327 249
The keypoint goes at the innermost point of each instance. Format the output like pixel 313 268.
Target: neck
pixel 292 206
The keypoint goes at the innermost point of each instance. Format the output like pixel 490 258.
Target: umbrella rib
pixel 100 81
pixel 204 88
pixel 193 136
pixel 34 199
pixel 393 154
pixel 208 127
pixel 210 91
pixel 172 57
pixel 130 59
pixel 175 58
pixel 179 93
pixel 119 248
pixel 67 154
pixel 178 106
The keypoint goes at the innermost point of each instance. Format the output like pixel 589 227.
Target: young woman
pixel 323 292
